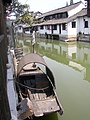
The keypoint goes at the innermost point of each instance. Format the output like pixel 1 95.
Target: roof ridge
pixel 63 7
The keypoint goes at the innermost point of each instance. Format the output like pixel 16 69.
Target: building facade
pixel 64 23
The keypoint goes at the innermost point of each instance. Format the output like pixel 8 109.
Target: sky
pixel 45 5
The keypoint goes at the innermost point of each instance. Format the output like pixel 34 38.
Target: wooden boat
pixel 36 88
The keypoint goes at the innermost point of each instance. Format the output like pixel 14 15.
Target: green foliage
pixel 22 12
pixel 17 8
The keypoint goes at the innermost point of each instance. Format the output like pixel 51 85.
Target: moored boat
pixel 36 88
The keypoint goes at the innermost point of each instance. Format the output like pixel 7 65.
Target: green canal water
pixel 70 64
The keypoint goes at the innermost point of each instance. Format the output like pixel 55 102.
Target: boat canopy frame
pixel 34 58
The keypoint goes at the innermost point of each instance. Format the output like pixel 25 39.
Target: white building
pixel 19 28
pixel 22 28
pixel 66 22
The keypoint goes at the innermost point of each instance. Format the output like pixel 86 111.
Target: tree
pixel 21 12
pixel 71 2
pixel 17 8
pixel 27 17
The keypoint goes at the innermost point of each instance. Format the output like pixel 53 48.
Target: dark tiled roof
pixel 60 10
pixel 83 12
pixel 53 22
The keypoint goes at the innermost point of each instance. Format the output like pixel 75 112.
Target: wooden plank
pixel 30 95
pixel 42 96
pixel 37 111
pixel 49 105
pixel 36 97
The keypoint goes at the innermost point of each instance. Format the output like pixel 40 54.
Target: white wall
pixel 63 32
pixel 72 31
pixel 44 30
pixel 48 31
pixel 18 30
pixel 81 25
pixel 71 50
pixel 41 31
pixel 75 10
pixel 56 31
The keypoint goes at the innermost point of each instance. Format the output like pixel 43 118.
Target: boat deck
pixel 38 104
pixel 43 104
pixel 42 107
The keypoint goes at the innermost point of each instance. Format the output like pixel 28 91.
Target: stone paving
pixel 11 87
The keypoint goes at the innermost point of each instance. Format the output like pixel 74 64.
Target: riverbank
pixel 64 38
pixel 11 87
pixel 83 38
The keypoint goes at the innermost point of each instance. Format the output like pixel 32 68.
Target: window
pixel 85 24
pixel 64 15
pixel 63 26
pixel 73 24
pixel 50 17
pixel 26 29
pixel 54 27
pixel 41 27
pixel 53 16
pixel 58 16
pixel 48 27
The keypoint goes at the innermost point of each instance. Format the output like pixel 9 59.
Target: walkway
pixel 11 88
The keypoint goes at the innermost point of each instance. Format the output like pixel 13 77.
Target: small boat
pixel 36 88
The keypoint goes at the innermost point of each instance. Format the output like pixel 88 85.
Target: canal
pixel 70 64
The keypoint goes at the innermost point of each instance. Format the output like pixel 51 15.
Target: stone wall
pixel 4 105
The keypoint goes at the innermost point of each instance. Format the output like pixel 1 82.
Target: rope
pixel 38 89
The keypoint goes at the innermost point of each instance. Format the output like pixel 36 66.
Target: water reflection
pixel 70 63
pixel 76 55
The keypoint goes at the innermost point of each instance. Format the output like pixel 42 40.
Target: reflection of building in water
pixel 83 56
pixel 64 53
pixel 83 53
pixel 67 50
pixel 78 53
pixel 70 51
